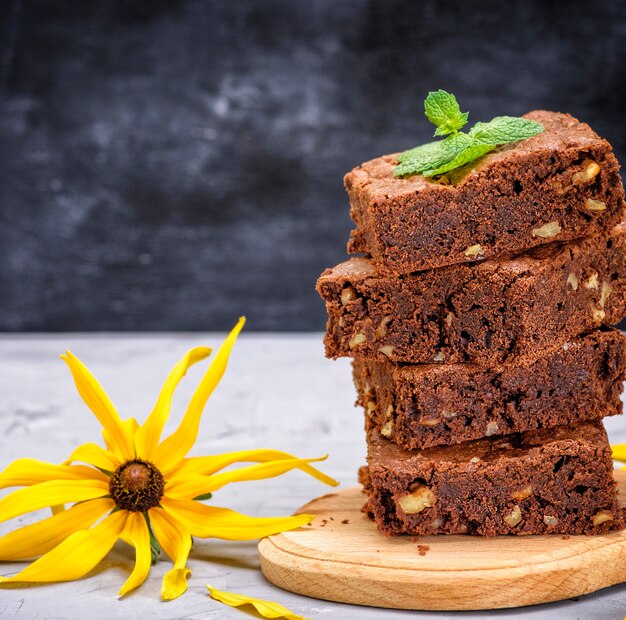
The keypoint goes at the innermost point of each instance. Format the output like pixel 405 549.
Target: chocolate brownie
pixel 487 313
pixel 559 185
pixel 425 405
pixel 549 481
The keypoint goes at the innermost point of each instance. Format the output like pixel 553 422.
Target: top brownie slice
pixel 559 185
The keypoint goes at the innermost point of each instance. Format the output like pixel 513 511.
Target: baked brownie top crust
pixel 384 453
pixel 562 131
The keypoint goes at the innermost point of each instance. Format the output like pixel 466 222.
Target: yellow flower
pixel 140 489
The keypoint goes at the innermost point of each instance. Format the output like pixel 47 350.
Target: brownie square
pixel 420 406
pixel 488 313
pixel 559 185
pixel 557 481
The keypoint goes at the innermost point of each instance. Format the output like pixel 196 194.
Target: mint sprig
pixel 459 148
pixel 443 111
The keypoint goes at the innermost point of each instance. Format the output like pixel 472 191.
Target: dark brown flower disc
pixel 136 486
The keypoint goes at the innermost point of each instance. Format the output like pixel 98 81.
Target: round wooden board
pixel 342 557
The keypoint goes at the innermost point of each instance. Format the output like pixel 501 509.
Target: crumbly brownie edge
pixel 419 407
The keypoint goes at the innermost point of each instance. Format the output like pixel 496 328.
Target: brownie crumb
pixel 422 549
pixel 346 521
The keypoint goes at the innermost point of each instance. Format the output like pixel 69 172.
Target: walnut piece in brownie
pixel 425 405
pixel 556 481
pixel 559 185
pixel 488 313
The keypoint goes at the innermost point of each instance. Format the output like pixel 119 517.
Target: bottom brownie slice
pixel 549 481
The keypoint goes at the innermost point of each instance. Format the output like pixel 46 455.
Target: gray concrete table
pixel 279 392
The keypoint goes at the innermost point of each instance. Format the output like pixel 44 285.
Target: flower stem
pixel 155 547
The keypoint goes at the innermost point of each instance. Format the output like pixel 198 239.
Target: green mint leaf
pixel 425 152
pixel 455 143
pixel 458 148
pixel 505 130
pixel 443 111
pixel 467 155
pixel 420 158
pixel 432 155
pixel 409 168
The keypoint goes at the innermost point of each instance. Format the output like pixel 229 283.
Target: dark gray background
pixel 172 164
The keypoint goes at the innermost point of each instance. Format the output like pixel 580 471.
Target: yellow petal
pixel 184 487
pixel 208 465
pixel 102 407
pixel 136 533
pixel 173 449
pixel 619 452
pixel 76 555
pixel 52 493
pixel 131 426
pixel 26 472
pixel 96 456
pixel 149 434
pixel 213 522
pixel 38 538
pixel 267 609
pixel 175 539
pixel 128 429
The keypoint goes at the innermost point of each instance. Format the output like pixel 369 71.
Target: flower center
pixel 136 486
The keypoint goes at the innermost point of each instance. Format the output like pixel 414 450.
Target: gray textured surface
pixel 279 392
pixel 169 164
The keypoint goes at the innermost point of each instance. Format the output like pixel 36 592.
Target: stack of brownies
pixel 478 330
